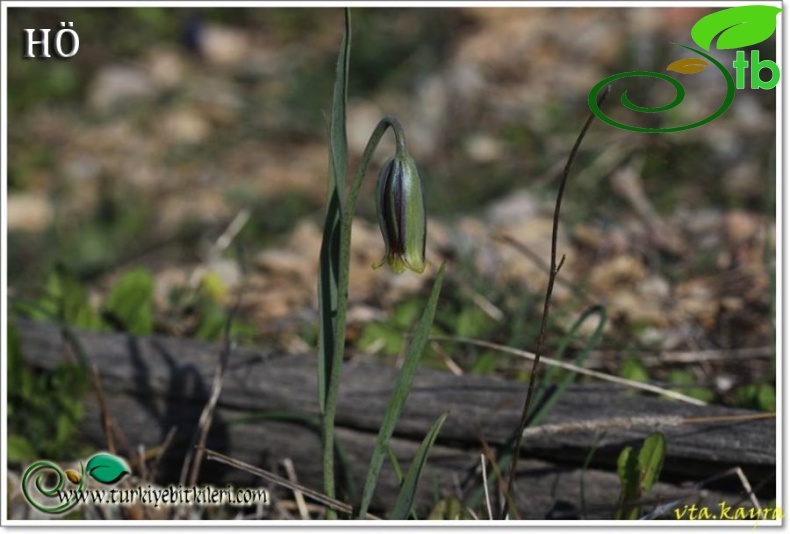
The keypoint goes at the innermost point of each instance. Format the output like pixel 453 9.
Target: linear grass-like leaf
pixel 330 244
pixel 400 393
pixel 395 465
pixel 331 329
pixel 555 395
pixel 408 489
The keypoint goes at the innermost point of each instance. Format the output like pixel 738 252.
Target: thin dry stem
pixel 554 269
pixel 104 412
pixel 298 496
pixel 485 486
pixel 576 369
pixel 207 415
pixel 489 454
pixel 334 504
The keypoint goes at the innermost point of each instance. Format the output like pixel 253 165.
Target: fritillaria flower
pixel 401 212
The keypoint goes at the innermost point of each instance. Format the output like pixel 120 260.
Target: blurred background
pixel 178 162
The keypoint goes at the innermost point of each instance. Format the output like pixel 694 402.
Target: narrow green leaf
pixel 739 27
pixel 331 325
pixel 555 395
pixel 329 262
pixel 628 471
pixel 408 489
pixel 131 302
pixel 651 460
pixel 107 468
pixel 544 407
pixel 337 125
pixel 622 464
pixel 400 393
pixel 395 465
pixel 327 299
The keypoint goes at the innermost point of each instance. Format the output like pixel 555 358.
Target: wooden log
pixel 153 384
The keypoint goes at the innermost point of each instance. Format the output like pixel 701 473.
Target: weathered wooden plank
pixel 161 381
pixel 544 488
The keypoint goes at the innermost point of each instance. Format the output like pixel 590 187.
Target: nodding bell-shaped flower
pixel 401 211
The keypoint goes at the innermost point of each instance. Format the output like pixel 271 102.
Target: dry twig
pixel 554 269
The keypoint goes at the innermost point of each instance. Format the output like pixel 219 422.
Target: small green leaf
pixel 408 489
pixel 626 464
pixel 449 509
pixel 766 398
pixel 106 468
pixel 131 301
pixel 739 27
pixel 71 301
pixel 473 322
pixel 633 369
pixel 757 396
pixel 20 449
pixel 679 377
pixel 380 338
pixel 651 460
pixel 638 473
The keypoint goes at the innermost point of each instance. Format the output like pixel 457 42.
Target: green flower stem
pixel 347 217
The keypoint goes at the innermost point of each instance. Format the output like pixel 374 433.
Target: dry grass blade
pixel 448 361
pixel 161 449
pixel 748 487
pixel 581 370
pixel 334 504
pixel 695 356
pixel 298 496
pixel 488 454
pixel 485 485
pixel 222 243
pixel 207 415
pixel 104 413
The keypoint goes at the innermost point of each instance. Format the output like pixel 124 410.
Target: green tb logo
pixel 736 27
pixel 741 64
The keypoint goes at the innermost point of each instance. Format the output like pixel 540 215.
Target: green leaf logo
pixel 741 26
pixel 106 468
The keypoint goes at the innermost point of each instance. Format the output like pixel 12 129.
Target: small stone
pixel 29 212
pixel 118 84
pixel 484 148
pixel 186 126
pixel 167 68
pixel 223 46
